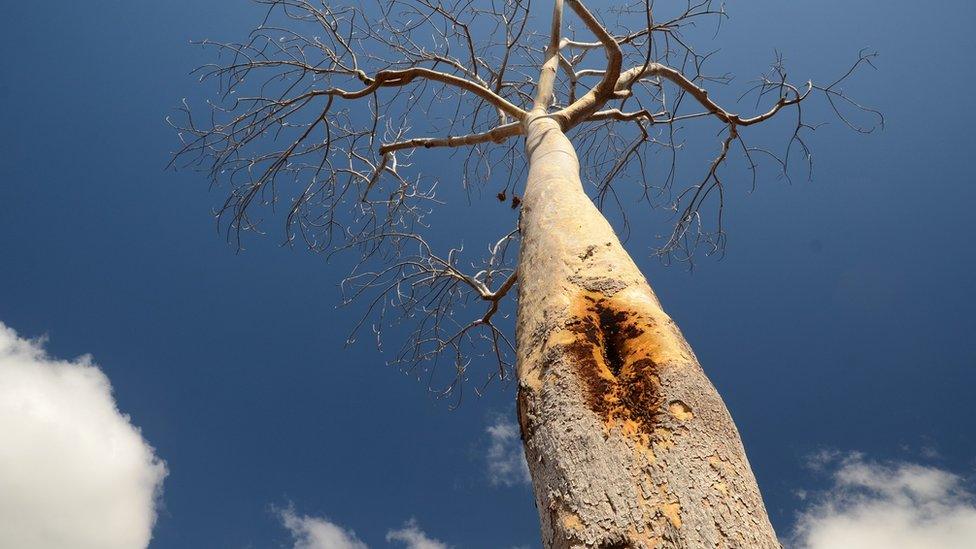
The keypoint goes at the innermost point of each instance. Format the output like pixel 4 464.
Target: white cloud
pixel 414 538
pixel 820 459
pixel 506 459
pixel 888 506
pixel 318 533
pixel 74 472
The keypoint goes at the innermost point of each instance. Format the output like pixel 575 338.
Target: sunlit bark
pixel 628 443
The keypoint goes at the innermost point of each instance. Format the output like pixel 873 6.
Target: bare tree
pixel 628 443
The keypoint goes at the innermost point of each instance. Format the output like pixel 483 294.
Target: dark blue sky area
pixel 841 317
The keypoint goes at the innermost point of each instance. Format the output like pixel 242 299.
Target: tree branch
pixel 583 107
pixel 629 77
pixel 497 135
pixel 547 73
pixel 405 76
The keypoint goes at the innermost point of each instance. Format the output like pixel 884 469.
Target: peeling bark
pixel 628 443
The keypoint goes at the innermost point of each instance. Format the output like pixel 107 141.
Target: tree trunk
pixel 628 443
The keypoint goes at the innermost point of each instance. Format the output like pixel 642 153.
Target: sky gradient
pixel 840 318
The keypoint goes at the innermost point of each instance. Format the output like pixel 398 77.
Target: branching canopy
pixel 319 107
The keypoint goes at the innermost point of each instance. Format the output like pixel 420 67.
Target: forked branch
pixel 327 108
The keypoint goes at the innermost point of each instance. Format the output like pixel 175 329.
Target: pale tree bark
pixel 628 443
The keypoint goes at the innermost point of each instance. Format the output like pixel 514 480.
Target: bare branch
pixel 547 74
pixel 628 78
pixel 319 116
pixel 406 76
pixel 496 135
pixel 595 98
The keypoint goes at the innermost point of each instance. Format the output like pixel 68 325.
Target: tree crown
pixel 320 103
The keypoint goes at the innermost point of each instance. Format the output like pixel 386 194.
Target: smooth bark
pixel 628 443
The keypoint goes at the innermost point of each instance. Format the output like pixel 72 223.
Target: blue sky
pixel 840 319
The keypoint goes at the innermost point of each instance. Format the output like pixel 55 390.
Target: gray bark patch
pixel 599 284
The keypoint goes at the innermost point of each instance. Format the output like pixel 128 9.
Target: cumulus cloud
pixel 74 471
pixel 414 538
pixel 318 533
pixel 887 506
pixel 506 459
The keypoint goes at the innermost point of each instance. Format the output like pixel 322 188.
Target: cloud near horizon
pixel 320 533
pixel 875 505
pixel 412 537
pixel 74 472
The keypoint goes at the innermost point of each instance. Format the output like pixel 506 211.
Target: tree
pixel 628 443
